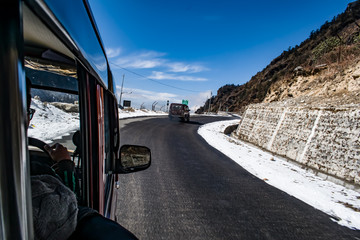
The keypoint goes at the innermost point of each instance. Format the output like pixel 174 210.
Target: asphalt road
pixel 193 191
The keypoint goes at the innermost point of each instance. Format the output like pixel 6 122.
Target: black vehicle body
pixel 61 34
pixel 178 110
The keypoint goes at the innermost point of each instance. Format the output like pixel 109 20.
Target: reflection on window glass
pixel 46 74
pixel 82 32
pixel 56 117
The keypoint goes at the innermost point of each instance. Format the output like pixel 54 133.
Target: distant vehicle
pixel 56 44
pixel 178 110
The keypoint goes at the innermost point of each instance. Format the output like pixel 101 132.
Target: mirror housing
pixel 133 158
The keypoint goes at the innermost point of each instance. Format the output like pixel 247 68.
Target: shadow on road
pixel 193 123
pixel 190 122
pixel 183 122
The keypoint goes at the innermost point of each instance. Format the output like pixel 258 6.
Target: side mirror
pixel 134 158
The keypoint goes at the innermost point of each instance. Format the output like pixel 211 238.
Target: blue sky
pixel 174 50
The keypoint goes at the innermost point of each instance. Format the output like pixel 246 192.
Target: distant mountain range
pixel 51 96
pixel 324 66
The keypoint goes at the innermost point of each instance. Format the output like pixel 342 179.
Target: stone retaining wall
pixel 326 139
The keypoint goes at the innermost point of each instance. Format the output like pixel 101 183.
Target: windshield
pixel 176 107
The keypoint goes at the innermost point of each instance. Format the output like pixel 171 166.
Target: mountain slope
pixel 326 66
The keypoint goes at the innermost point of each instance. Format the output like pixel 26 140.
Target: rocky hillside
pixel 325 67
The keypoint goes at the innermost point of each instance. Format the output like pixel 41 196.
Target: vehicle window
pixel 56 116
pixel 175 107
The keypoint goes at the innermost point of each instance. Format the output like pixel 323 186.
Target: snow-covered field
pixel 337 201
pixel 51 123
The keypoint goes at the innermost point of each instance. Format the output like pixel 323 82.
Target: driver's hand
pixel 58 152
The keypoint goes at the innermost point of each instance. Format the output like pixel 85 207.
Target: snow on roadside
pixel 129 113
pixel 50 122
pixel 324 195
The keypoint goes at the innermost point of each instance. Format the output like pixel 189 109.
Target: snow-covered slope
pixel 50 122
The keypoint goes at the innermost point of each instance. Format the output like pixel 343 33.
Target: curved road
pixel 193 191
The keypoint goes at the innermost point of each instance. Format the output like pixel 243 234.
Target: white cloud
pixel 153 96
pixel 167 76
pixel 140 96
pixel 152 59
pixel 183 67
pixel 198 100
pixel 151 54
pixel 112 52
pixel 141 60
pixel 139 63
pixel 147 98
